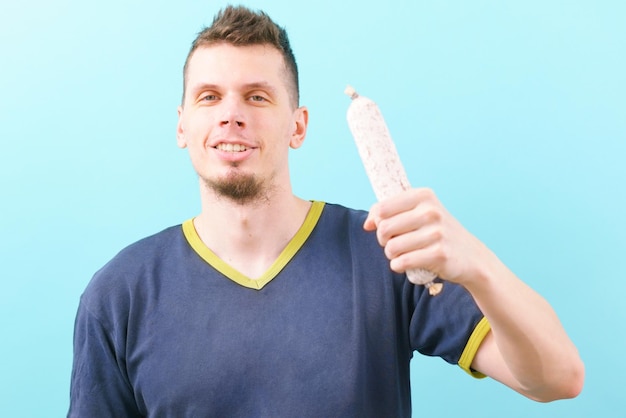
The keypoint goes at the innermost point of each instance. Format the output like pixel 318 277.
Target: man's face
pixel 237 120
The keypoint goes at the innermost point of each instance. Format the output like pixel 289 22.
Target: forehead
pixel 225 62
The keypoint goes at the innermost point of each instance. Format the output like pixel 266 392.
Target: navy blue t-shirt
pixel 167 329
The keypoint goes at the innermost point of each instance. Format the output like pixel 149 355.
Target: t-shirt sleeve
pixel 99 384
pixel 465 362
pixel 448 325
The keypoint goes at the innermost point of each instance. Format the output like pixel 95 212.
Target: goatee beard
pixel 239 187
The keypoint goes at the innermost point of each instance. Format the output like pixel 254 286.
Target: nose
pixel 232 113
pixel 234 122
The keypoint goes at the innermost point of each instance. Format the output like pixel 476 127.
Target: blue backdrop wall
pixel 514 112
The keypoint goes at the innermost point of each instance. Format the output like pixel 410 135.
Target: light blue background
pixel 514 112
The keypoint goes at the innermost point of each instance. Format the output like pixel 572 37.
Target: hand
pixel 418 232
pixel 528 349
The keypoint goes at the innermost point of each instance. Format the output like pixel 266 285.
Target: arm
pixel 527 349
pixel 99 386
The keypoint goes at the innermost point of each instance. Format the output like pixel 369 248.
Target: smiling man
pixel 238 118
pixel 268 305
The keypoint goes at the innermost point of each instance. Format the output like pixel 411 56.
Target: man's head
pixel 240 26
pixel 240 113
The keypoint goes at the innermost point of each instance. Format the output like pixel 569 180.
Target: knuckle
pixel 436 235
pixel 415 193
pixel 381 237
pixel 398 265
pixel 384 230
pixel 426 193
pixel 433 215
pixel 440 254
pixel 391 250
pixel 382 208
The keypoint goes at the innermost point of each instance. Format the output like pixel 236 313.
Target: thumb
pixel 371 222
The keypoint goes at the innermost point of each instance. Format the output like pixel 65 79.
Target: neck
pixel 250 236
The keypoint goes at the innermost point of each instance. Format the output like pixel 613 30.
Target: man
pixel 269 305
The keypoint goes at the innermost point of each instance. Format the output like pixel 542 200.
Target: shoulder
pixel 344 225
pixel 146 251
pixel 337 215
pixel 125 270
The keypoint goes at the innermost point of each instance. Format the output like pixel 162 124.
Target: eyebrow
pixel 261 85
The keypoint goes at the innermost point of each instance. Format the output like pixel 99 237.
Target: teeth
pixel 231 147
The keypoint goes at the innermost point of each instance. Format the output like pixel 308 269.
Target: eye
pixel 257 98
pixel 209 98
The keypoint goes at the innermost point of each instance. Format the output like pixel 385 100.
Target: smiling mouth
pixel 231 147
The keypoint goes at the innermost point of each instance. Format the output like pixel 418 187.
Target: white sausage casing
pixel 382 163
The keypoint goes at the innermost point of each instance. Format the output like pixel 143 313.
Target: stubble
pixel 240 188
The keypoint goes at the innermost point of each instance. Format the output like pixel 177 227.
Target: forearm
pixel 535 348
pixel 528 348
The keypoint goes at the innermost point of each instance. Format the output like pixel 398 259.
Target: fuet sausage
pixel 382 163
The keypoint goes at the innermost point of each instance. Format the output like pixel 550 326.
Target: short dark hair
pixel 240 26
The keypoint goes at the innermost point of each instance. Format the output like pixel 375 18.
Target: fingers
pixel 409 226
pixel 411 241
pixel 426 258
pixel 416 231
pixel 403 202
pixel 406 201
pixel 404 214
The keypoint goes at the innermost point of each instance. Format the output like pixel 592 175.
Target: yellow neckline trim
pixel 471 348
pixel 285 256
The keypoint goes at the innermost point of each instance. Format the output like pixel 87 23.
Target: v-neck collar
pixel 285 256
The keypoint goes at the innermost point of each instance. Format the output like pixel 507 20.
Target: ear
pixel 301 118
pixel 180 132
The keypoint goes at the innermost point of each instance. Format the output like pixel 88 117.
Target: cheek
pixel 196 135
pixel 197 130
pixel 280 131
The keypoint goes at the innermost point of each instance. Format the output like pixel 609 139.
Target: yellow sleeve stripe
pixel 465 362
